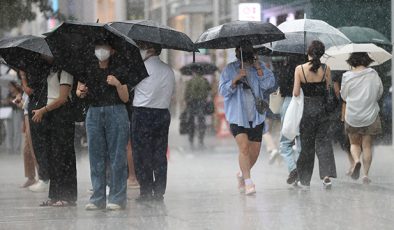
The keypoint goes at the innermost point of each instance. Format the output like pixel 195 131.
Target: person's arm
pixel 81 90
pixel 64 91
pixel 297 82
pixel 380 93
pixel 228 83
pixel 330 79
pixel 122 90
pixel 25 86
pixel 267 80
pixel 344 89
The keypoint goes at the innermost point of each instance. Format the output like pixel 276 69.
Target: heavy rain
pixel 186 114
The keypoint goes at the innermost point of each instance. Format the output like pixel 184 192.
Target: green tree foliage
pixel 15 12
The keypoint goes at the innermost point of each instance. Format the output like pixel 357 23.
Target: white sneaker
pixel 303 187
pixel 40 186
pixel 241 183
pixel 273 155
pixel 113 207
pixel 250 190
pixel 91 207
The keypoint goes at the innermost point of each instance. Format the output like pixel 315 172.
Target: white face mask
pixel 143 53
pixel 102 54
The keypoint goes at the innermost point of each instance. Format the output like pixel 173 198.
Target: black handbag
pixel 331 100
pixel 261 105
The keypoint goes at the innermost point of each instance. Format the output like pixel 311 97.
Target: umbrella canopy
pixel 229 35
pixel 72 45
pixel 24 52
pixel 336 58
pixel 300 33
pixel 359 34
pixel 151 31
pixel 200 68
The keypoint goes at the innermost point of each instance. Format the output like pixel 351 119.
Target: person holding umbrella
pixel 196 95
pixel 105 87
pixel 361 89
pixel 238 82
pixel 150 123
pixel 56 136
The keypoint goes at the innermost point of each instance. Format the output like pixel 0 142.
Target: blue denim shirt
pixel 234 97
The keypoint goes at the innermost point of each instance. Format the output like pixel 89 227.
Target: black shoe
pixel 158 197
pixel 293 175
pixel 143 198
pixel 356 171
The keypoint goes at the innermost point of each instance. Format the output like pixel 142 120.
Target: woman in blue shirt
pixel 238 82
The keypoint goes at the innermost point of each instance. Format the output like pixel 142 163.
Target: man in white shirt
pixel 150 123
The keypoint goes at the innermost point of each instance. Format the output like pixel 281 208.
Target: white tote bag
pixel 5 113
pixel 276 101
pixel 292 119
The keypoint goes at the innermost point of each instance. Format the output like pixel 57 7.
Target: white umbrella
pixel 301 32
pixel 336 57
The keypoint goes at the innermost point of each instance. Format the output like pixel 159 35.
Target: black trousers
pixel 38 133
pixel 61 158
pixel 150 141
pixel 54 145
pixel 315 140
pixel 196 109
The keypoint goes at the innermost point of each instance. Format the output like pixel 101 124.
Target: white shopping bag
pixel 292 120
pixel 276 101
pixel 5 112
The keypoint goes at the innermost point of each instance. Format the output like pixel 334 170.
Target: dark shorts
pixel 254 134
pixel 374 129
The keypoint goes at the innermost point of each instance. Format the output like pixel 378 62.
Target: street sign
pixel 249 12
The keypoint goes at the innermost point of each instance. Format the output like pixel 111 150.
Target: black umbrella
pixel 151 31
pixel 24 52
pixel 72 45
pixel 200 68
pixel 229 35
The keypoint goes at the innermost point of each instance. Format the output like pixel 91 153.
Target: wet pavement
pixel 202 194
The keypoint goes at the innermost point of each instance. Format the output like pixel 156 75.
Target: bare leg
pixel 367 153
pixel 254 152
pixel 244 156
pixel 355 146
pixel 351 162
pixel 355 149
pixel 132 180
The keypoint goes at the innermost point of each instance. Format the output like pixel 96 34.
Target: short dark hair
pixel 155 46
pixel 102 42
pixel 359 58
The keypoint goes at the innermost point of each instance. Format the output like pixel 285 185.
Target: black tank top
pixel 314 89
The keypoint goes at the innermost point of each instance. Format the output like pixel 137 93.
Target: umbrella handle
pixel 242 60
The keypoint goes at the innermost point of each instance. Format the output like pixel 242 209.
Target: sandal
pixel 366 180
pixel 47 203
pixel 356 171
pixel 63 203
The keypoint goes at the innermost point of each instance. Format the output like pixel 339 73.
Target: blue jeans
pixel 108 134
pixel 286 145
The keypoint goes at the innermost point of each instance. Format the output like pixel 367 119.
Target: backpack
pixel 78 106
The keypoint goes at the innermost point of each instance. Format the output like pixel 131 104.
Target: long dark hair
pixel 316 49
